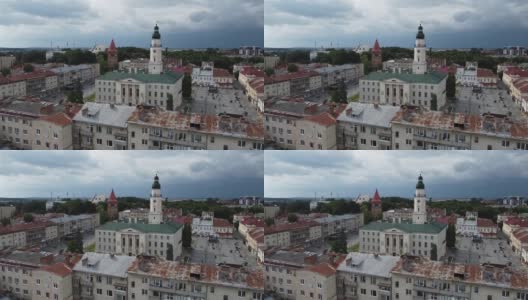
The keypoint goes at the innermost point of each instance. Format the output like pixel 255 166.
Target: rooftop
pixel 370 114
pixel 220 275
pixel 431 228
pixel 69 218
pixel 105 114
pixel 166 228
pixel 369 264
pixel 165 78
pixel 105 264
pixel 428 78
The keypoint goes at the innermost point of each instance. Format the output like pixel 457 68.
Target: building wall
pixel 6 212
pixel 99 287
pixel 362 287
pixel 48 285
pixel 99 137
pixel 277 89
pixel 50 136
pixel 17 279
pixel 311 285
pixel 313 136
pixel 280 279
pixel 355 136
pixel 13 89
pixel 17 130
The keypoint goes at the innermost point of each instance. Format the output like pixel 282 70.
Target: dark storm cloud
pixel 450 23
pixel 84 174
pixel 447 174
pixel 83 23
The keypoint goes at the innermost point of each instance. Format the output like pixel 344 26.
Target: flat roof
pixel 105 264
pixel 369 114
pixel 369 264
pixel 105 114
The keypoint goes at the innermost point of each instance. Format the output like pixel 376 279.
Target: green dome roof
pixel 156 35
pixel 420 35
pixel 156 185
pixel 420 185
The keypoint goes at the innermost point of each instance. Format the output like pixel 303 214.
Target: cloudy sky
pixel 394 173
pixel 197 174
pixel 448 23
pixel 83 23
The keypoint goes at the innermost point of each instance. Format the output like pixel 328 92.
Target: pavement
pixel 496 251
pixel 495 101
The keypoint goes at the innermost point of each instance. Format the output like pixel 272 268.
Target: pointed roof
pixel 376 198
pixel 112 197
pixel 377 47
pixel 112 46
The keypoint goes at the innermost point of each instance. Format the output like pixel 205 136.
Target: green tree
pixel 269 221
pixel 6 221
pixel 269 71
pixel 28 218
pixel 170 102
pixel 451 86
pixel 434 252
pixel 76 94
pixel 75 245
pixel 170 252
pixel 339 95
pixel 292 218
pixel 5 71
pixel 451 236
pixel 187 236
pixel 292 68
pixel 187 86
pixel 28 68
pixel 339 245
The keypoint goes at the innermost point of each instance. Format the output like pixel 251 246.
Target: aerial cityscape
pixel 146 150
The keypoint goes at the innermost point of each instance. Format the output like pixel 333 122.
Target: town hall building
pixel 419 238
pixel 420 88
pixel 156 88
pixel 155 238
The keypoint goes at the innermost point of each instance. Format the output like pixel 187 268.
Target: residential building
pixel 331 75
pixel 398 215
pixel 255 92
pixel 249 51
pixel 101 276
pixel 519 240
pixel 331 225
pixel 291 84
pixel 363 276
pixel 519 92
pixel 151 277
pixel 403 65
pixel 21 235
pixel 512 223
pixel 100 126
pixel 417 277
pixel 418 129
pixel 138 215
pixel 203 75
pixel 270 62
pixel 363 126
pixel 248 73
pixel 6 62
pixel 68 75
pixel 511 73
pixel 70 224
pixel 6 212
pixel 53 281
pixel 150 128
pixel 138 65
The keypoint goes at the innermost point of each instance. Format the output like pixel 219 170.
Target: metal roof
pixel 369 114
pixel 105 114
pixel 104 264
pixel 369 264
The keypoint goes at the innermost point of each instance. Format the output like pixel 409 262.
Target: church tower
pixel 420 53
pixel 420 201
pixel 156 59
pixel 155 213
pixel 376 56
pixel 113 61
pixel 375 206
pixel 111 207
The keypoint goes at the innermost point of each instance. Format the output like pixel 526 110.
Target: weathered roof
pixel 104 264
pixel 431 228
pixel 105 114
pixel 369 264
pixel 369 114
pixel 146 228
pixel 165 78
pixel 428 78
pixel 60 269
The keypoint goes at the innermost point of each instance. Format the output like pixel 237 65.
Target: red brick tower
pixel 111 207
pixel 377 62
pixel 375 206
pixel 113 61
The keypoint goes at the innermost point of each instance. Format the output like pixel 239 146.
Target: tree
pixel 434 252
pixel 76 94
pixel 451 86
pixel 75 245
pixel 28 218
pixel 292 68
pixel 28 68
pixel 451 236
pixel 170 252
pixel 339 245
pixel 187 86
pixel 170 102
pixel 292 218
pixel 5 71
pixel 269 71
pixel 434 102
pixel 339 95
pixel 269 221
pixel 6 221
pixel 187 236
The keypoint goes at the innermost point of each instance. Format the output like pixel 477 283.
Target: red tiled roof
pixel 221 73
pixel 252 71
pixel 60 269
pixel 521 84
pixel 324 269
pixel 376 198
pixel 257 234
pixel 217 222
pixel 23 227
pixel 377 47
pixel 324 119
pixel 60 119
pixel 521 234
pixel 290 76
pixel 481 222
pixel 252 221
pixel 257 84
pixel 182 220
pixel 485 73
pixel 112 46
pixel 519 222
pixel 112 197
pixel 515 71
